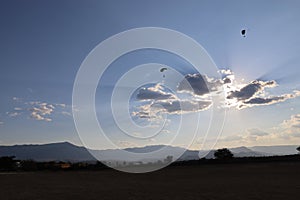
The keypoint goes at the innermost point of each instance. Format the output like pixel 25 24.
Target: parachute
pixel 163 69
pixel 243 32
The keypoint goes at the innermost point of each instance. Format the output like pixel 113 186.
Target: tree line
pixel 10 163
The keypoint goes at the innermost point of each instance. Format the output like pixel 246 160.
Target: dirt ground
pixel 222 181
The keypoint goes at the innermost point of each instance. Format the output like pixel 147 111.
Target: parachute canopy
pixel 163 69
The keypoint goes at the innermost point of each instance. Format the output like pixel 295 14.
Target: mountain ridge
pixel 66 151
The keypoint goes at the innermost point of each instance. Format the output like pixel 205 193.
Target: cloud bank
pixel 157 102
pixel 40 111
pixel 198 89
pixel 158 108
pixel 154 93
pixel 286 132
pixel 237 95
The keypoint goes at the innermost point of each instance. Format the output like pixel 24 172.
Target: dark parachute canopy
pixel 163 69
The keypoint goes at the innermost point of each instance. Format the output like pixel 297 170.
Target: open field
pixel 220 181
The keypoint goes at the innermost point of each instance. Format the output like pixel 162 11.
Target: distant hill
pixel 112 154
pixel 276 150
pixel 238 152
pixel 247 152
pixel 46 152
pixel 68 152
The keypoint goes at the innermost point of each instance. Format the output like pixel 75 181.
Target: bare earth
pixel 224 181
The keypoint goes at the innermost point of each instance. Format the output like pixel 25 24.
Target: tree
pixel 7 163
pixel 223 154
pixel 298 149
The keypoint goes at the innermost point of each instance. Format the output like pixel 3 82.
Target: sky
pixel 44 43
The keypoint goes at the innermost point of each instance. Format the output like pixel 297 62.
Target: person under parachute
pixel 162 70
pixel 243 32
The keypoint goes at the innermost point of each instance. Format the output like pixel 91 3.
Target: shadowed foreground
pixel 222 181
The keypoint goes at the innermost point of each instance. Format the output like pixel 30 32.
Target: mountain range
pixel 66 151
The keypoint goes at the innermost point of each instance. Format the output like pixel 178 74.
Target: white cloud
pixel 154 93
pixel 13 114
pixel 232 138
pixel 39 117
pixel 288 132
pixel 292 125
pixel 158 108
pixel 17 99
pixel 251 137
pixel 66 113
pixel 1 123
pixel 257 132
pixel 269 100
pixel 126 144
pixel 39 111
pixel 225 72
pixel 165 131
pixel 254 94
pixel 61 105
pixel 156 102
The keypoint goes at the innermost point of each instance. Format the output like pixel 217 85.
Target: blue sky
pixel 43 44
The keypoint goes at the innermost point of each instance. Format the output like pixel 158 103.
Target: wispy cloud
pixel 251 135
pixel 13 114
pixel 154 93
pixel 39 117
pixel 157 108
pixel 126 144
pixel 16 99
pixel 66 113
pixel 292 125
pixel 38 110
pixel 256 132
pixel 61 105
pixel 286 132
